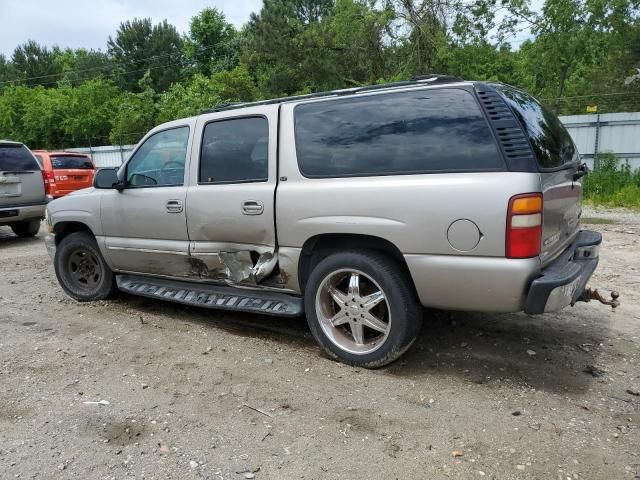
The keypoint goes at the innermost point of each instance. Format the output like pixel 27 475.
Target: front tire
pixel 362 308
pixel 82 272
pixel 26 229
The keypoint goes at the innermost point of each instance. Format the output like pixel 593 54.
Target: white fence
pixel 597 133
pixel 608 132
pixel 107 156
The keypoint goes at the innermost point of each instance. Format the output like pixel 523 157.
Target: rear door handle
pixel 252 207
pixel 174 206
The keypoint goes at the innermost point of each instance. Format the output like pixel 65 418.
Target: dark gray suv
pixel 22 193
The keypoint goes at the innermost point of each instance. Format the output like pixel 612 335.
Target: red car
pixel 65 172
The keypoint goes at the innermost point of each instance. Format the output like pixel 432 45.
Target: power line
pixel 114 63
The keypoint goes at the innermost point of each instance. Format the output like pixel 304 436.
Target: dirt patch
pixel 207 395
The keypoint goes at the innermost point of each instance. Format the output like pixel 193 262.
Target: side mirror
pixel 107 178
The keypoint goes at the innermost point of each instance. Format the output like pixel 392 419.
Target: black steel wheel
pixel 81 270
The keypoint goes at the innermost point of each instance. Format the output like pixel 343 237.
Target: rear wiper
pixel 580 172
pixel 13 172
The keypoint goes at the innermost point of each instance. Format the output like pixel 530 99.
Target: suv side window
pixel 235 151
pixel 420 131
pixel 160 160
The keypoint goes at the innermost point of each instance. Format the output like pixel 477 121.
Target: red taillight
pixel 524 226
pixel 49 181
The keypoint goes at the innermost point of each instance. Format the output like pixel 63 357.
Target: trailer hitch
pixel 594 294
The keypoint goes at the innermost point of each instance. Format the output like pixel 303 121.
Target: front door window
pixel 160 160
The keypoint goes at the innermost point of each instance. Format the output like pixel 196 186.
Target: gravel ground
pixel 195 394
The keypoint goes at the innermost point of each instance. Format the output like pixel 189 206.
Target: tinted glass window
pixel 16 158
pixel 160 159
pixel 399 133
pixel 235 151
pixel 551 142
pixel 70 161
pixel 40 160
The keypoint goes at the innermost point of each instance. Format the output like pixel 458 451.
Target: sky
pixel 88 23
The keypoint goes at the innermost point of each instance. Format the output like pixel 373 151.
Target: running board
pixel 212 296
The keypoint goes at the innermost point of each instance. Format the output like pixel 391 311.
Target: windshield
pixel 551 142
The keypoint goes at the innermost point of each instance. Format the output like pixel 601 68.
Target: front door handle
pixel 252 207
pixel 174 206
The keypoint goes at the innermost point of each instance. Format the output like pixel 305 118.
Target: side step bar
pixel 212 296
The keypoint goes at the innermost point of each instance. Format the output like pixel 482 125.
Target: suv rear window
pixel 70 162
pixel 552 144
pixel 395 133
pixel 16 158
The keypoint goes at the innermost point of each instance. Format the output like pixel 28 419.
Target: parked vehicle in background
pixel 357 207
pixel 22 189
pixel 65 172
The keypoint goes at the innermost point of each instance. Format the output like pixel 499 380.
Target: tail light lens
pixel 49 181
pixel 524 226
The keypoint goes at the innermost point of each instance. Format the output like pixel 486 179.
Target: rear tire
pixel 26 229
pixel 81 271
pixel 362 308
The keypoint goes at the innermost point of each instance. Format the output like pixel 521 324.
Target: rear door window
pixel 422 131
pixel 552 144
pixel 17 158
pixel 70 162
pixel 235 151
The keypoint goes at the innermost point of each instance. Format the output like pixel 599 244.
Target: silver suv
pixel 358 207
pixel 22 191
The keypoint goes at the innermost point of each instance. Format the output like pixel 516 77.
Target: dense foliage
pixel 613 184
pixel 570 53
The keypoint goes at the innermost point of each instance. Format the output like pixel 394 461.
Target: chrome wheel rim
pixel 353 311
pixel 84 269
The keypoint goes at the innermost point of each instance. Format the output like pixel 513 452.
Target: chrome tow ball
pixel 594 294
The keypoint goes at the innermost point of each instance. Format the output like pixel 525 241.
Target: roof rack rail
pixel 431 79
pixel 222 106
pixel 434 78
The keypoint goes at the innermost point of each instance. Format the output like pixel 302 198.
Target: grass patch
pixel 613 185
pixel 597 221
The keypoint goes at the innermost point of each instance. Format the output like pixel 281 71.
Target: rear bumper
pixel 21 213
pixel 561 283
pixel 465 282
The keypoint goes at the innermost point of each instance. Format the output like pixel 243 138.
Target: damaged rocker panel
pixel 237 267
pixel 211 296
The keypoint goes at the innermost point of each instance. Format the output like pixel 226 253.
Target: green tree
pixel 140 47
pixel 80 65
pixel 288 46
pixel 182 101
pixel 12 107
pixel 89 110
pixel 34 64
pixel 358 30
pixel 135 114
pixel 44 115
pixel 6 72
pixel 212 44
pixel 235 85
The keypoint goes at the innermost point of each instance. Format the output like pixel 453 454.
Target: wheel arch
pixel 319 246
pixel 65 228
